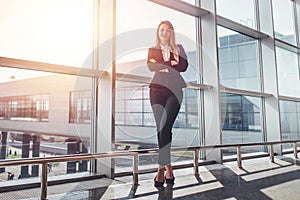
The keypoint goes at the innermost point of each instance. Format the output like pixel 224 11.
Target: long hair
pixel 172 42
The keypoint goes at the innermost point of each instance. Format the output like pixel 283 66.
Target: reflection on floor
pixel 259 179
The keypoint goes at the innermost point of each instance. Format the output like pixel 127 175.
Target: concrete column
pixel 211 98
pixel 71 149
pixel 105 54
pixel 25 154
pixel 3 148
pixel 36 141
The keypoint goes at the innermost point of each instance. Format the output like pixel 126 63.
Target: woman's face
pixel 164 34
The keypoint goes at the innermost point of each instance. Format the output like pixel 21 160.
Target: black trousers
pixel 165 105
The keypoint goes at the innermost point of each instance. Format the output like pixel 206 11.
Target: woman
pixel 167 60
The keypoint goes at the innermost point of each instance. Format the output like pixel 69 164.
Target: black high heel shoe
pixel 157 183
pixel 170 181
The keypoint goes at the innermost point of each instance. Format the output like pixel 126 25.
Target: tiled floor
pixel 259 179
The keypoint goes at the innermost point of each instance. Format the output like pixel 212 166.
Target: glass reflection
pixel 242 12
pixel 289 113
pixel 238 61
pixel 288 72
pixel 284 24
pixel 42 115
pixel 241 120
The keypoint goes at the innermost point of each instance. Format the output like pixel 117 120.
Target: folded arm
pixel 182 64
pixel 153 63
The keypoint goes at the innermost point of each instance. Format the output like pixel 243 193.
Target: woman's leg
pixel 172 108
pixel 166 106
pixel 157 100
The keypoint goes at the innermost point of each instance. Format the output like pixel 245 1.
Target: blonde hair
pixel 172 42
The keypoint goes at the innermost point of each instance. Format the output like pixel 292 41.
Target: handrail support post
pixel 135 169
pixel 239 157
pixel 196 162
pixel 44 181
pixel 295 150
pixel 272 153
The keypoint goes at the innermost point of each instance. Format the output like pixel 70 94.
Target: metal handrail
pixel 218 146
pixel 72 157
pixel 65 158
pixel 135 153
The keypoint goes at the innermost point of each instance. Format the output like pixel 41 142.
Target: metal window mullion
pixel 297 34
pixel 245 30
pixel 94 119
pixel 287 98
pixel 242 118
pixel 286 46
pixel 296 23
pixel 143 107
pixel 276 69
pixel 257 17
pixel 125 106
pixel 95 81
pixel 200 93
pixel 260 62
pixel 182 7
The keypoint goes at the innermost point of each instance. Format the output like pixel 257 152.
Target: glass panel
pixel 284 23
pixel 289 116
pixel 242 12
pixel 241 119
pixel 80 107
pixel 238 61
pixel 136 31
pixel 58 32
pixel 36 109
pixel 288 73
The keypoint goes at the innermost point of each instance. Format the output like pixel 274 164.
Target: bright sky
pixel 61 31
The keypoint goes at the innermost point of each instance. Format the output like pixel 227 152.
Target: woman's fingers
pixel 152 60
pixel 173 62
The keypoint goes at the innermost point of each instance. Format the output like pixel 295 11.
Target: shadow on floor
pixel 233 185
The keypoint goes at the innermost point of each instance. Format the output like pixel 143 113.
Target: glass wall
pixel 43 115
pixel 284 20
pixel 242 12
pixel 288 72
pixel 241 119
pixel 290 121
pixel 238 60
pixel 289 115
pixel 57 32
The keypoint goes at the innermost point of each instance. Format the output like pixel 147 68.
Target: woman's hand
pixel 174 62
pixel 152 60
